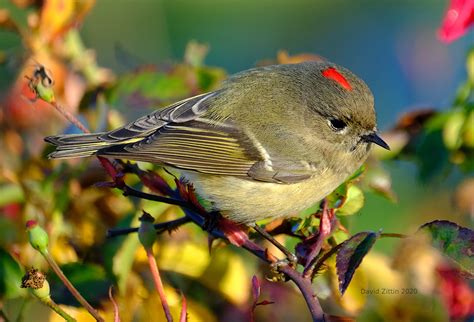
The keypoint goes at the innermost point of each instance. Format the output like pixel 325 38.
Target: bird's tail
pixel 77 145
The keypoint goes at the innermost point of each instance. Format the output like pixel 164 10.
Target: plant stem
pixel 71 118
pixel 56 308
pixel 394 235
pixel 114 303
pixel 306 288
pixel 184 309
pixel 160 227
pixel 71 287
pixel 158 284
pixel 129 191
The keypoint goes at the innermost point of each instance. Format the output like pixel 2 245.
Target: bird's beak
pixel 374 138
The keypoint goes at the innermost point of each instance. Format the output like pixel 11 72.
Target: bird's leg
pixel 292 259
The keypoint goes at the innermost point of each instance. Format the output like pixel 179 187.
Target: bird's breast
pixel 247 201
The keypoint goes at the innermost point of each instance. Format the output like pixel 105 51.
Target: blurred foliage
pixel 64 198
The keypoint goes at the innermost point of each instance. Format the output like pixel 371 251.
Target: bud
pixel 146 232
pixel 41 83
pixel 37 236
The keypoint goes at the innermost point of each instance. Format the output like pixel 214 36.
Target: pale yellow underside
pixel 247 201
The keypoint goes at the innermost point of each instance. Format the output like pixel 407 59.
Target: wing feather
pixel 181 136
pixel 194 146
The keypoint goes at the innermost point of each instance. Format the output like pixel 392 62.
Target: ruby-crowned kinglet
pixel 271 142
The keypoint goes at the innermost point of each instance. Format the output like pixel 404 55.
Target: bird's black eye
pixel 337 125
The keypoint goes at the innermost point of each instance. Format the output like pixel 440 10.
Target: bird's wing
pixel 181 136
pixel 193 145
pixel 180 112
pixel 282 171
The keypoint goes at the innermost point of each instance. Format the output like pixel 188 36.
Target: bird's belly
pixel 247 201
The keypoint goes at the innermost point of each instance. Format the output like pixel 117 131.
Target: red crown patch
pixel 333 74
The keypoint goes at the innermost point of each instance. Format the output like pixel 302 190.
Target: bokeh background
pixel 391 44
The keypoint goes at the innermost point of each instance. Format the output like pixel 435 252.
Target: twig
pixel 394 235
pixel 56 308
pixel 71 118
pixel 71 287
pixel 184 309
pixel 160 227
pixel 306 288
pixel 158 284
pixel 114 303
pixel 325 229
pixel 129 191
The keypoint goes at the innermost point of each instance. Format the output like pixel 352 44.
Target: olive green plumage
pixel 270 142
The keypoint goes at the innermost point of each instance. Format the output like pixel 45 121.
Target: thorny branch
pixel 304 283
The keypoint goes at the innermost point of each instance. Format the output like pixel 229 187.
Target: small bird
pixel 270 142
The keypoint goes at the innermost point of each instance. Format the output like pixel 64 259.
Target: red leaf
pixel 456 293
pixel 184 309
pixel 233 232
pixel 155 183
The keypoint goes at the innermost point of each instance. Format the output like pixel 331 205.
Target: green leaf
pixel 353 202
pixel 468 135
pixel 437 122
pixel 432 155
pixel 209 77
pixel 90 280
pixel 351 254
pixel 470 66
pixel 337 197
pixel 454 241
pixel 10 276
pixel 452 130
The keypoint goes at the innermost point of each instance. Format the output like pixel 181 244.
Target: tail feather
pixel 76 145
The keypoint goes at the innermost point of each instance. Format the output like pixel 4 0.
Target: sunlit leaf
pixel 470 66
pixel 452 130
pixel 353 202
pixel 351 254
pixel 468 135
pixel 353 299
pixel 454 241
